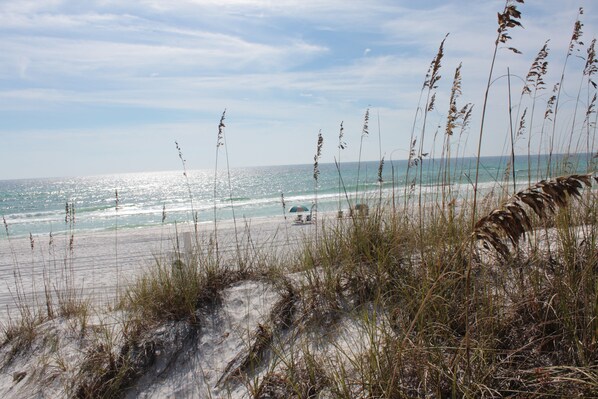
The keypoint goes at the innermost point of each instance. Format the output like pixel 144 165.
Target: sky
pixel 106 86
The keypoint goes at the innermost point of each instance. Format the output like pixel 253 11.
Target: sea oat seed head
pixel 317 156
pixel 221 126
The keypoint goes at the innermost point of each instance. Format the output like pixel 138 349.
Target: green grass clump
pixel 176 290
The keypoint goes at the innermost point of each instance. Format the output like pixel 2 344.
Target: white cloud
pixel 304 63
pixel 50 58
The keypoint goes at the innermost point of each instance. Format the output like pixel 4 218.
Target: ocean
pixel 133 200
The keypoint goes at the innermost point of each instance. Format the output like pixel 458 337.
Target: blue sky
pixel 105 86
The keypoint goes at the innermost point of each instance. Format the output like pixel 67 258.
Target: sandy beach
pixel 101 262
pixel 197 367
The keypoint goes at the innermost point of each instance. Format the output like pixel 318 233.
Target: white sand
pixel 103 261
pixel 184 364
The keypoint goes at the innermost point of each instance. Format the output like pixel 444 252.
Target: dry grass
pixel 512 219
pixel 176 289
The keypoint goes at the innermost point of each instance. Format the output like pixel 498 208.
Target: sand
pixel 186 362
pixel 102 262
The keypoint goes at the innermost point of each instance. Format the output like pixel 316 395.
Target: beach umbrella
pixel 299 208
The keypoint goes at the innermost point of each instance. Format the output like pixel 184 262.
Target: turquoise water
pixel 37 206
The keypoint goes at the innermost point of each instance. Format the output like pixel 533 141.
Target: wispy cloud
pixel 126 66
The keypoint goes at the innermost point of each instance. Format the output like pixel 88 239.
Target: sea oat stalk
pixel 316 176
pixel 116 206
pixel 364 133
pixel 284 214
pixel 341 146
pixel 509 18
pixel 535 79
pixel 230 186
pixel 193 213
pixel 219 143
pixel 574 43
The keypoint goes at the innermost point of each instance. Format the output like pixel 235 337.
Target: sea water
pixel 124 201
